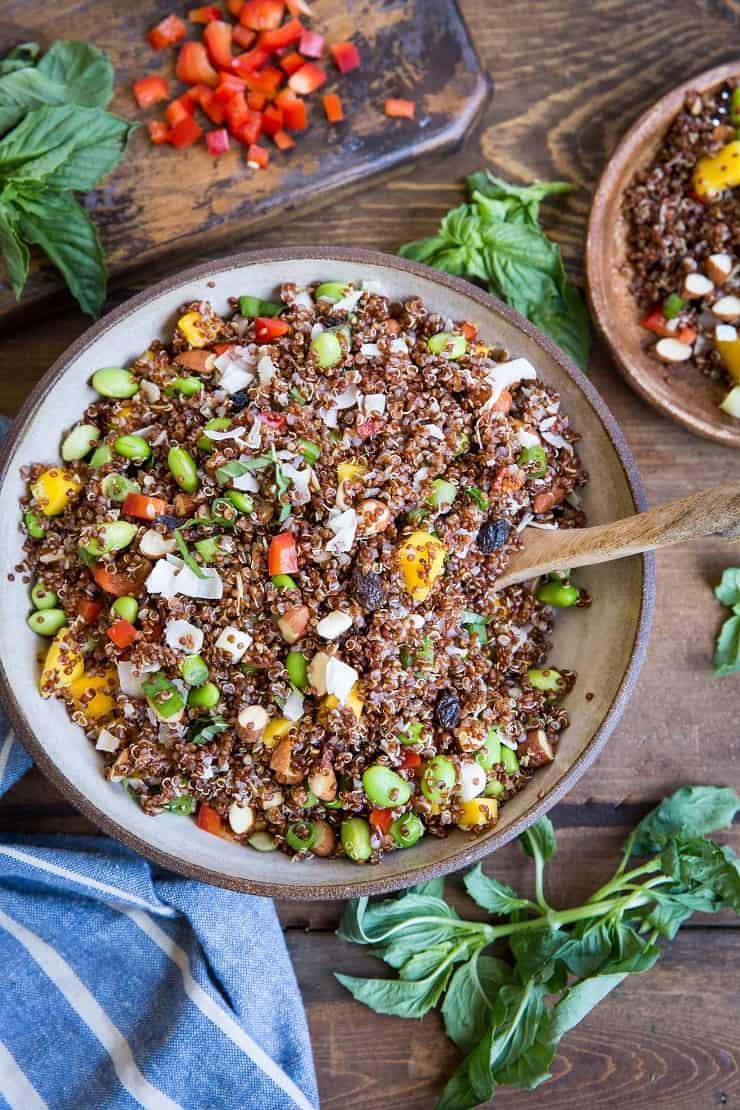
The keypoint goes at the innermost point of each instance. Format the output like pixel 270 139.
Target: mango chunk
pixel 348 471
pixel 189 325
pixel 422 557
pixel 729 349
pixel 55 489
pixel 63 664
pixel 477 813
pixel 354 702
pixel 275 729
pixel 103 701
pixel 716 172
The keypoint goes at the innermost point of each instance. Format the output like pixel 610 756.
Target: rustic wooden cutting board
pixel 163 204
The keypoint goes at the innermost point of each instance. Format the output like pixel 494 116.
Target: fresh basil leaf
pixel 20 57
pixel 85 72
pixel 433 887
pixel 539 840
pixel 422 964
pixel 668 915
pixel 458 1093
pixel 532 1067
pixel 400 997
pixel 535 952
pixel 708 873
pixel 728 591
pixel 15 254
pixel 521 264
pixel 727 652
pixel 579 1000
pixel 207 729
pixel 631 951
pixel 583 955
pixel 456 248
pixel 421 920
pixel 517 1015
pixel 693 811
pixel 492 895
pixel 495 188
pixel 56 223
pixel 469 1000
pixel 564 317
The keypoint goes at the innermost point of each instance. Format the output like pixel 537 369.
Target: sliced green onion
pixel 534 459
pixel 254 306
pixel 443 493
pixel 296 664
pixel 673 306
pixel 309 450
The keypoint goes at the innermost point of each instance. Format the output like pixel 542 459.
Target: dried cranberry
pixel 492 535
pixel 368 589
pixel 239 400
pixel 447 709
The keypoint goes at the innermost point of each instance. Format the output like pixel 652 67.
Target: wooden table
pixel 569 78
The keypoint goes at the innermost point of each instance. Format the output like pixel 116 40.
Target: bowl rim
pixel 470 851
pixel 648 125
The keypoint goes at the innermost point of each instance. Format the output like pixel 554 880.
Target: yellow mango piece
pixel 717 172
pixel 354 702
pixel 478 812
pixel 55 489
pixel 62 666
pixel 348 471
pixel 189 325
pixel 729 349
pixel 421 557
pixel 103 702
pixel 275 729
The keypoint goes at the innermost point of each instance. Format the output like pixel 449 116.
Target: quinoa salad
pixel 265 570
pixel 683 240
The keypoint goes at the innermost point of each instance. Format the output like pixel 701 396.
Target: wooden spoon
pixel 715 511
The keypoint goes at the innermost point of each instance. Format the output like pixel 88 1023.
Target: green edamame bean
pixel 101 456
pixel 218 424
pixel 510 760
pixel 326 349
pixel 183 469
pixel 116 487
pixel 490 753
pixel 406 830
pixel 284 582
pixel 309 799
pixel 534 459
pixel 494 789
pixel 384 787
pixel 332 291
pixel 34 527
pixel 47 622
pixel 561 595
pixel 438 778
pixel 296 664
pixel 448 344
pixel 183 805
pixel 41 597
pixel 113 536
pixel 548 680
pixel 262 842
pixel 132 447
pixel 355 837
pixel 80 442
pixel 127 608
pixel 412 735
pixel 194 670
pixel 301 836
pixel 241 501
pixel 188 387
pixel 112 381
pixel 253 306
pixel 443 493
pixel 205 696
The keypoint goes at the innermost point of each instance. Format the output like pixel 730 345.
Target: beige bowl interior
pixel 601 643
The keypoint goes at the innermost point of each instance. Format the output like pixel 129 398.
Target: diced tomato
pixel 685 334
pixel 243 37
pixel 307 79
pixel 272 120
pixel 299 7
pixel 291 62
pixel 251 61
pixel 262 15
pixel 234 7
pixel 217 141
pixel 212 108
pixel 193 66
pixel 381 820
pixel 469 330
pixel 346 56
pixel 282 140
pixel 217 37
pixel 159 132
pixel 399 109
pixel 122 633
pixel 257 157
pixel 290 32
pixel 311 44
pixel 282 554
pixel 656 322
pixel 229 85
pixel 256 101
pixel 333 108
pixel 142 507
pixel 205 15
pixel 267 81
pixel 267 328
pixel 118 583
pixel 150 90
pixel 178 110
pixel 295 116
pixel 89 609
pixel 411 759
pixel 167 32
pixel 211 821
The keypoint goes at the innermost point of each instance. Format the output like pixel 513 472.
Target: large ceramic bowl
pixel 605 644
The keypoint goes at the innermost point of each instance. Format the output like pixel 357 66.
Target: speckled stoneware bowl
pixel 605 644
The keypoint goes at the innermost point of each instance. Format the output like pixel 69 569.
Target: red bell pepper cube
pixel 122 633
pixel 142 507
pixel 281 37
pixel 333 108
pixel 282 554
pixel 262 15
pixel 193 66
pixel 381 820
pixel 656 322
pixel 185 133
pixel 211 821
pixel 291 62
pixel 399 109
pixel 206 14
pixel 243 37
pixel 411 759
pixel 235 111
pixel 251 61
pixel 307 79
pixel 249 129
pixel 167 32
pixel 217 141
pixel 346 56
pixel 282 140
pixel 299 7
pixel 685 334
pixel 211 106
pixel 256 101
pixel 469 330
pixel 267 328
pixel 257 157
pixel 311 44
pixel 159 132
pixel 295 116
pixel 272 120
pixel 267 81
pixel 89 609
pixel 234 7
pixel 178 110
pixel 150 90
pixel 228 86
pixel 217 37
pixel 285 96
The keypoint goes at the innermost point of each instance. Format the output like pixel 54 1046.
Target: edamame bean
pixel 112 381
pixel 438 778
pixel 443 493
pixel 253 306
pixel 183 805
pixel 100 456
pixel 412 735
pixel 448 344
pixel 561 595
pixel 534 459
pixel 384 787
pixel 406 830
pixel 284 582
pixel 490 753
pixel 326 349
pixel 494 789
pixel 310 799
pixel 218 424
pixel 47 622
pixel 241 501
pixel 80 442
pixel 132 447
pixel 548 680
pixel 183 469
pixel 510 760
pixel 301 836
pixel 127 608
pixel 113 536
pixel 194 670
pixel 355 837
pixel 205 696
pixel 262 842
pixel 332 291
pixel 296 664
pixel 188 387
pixel 34 527
pixel 116 487
pixel 43 598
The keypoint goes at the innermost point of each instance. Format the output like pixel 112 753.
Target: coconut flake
pixel 349 302
pixel 235 378
pixel 301 480
pixel 370 350
pixel 254 439
pixel 348 397
pixel 316 330
pixel 525 438
pixel 107 742
pixel 504 374
pixel 171 576
pixel 340 679
pixel 371 404
pixel 399 346
pixel 293 705
pixel 227 433
pixel 130 677
pixel 181 635
pixel 332 626
pixel 303 299
pixel 344 527
pixel 246 482
pixel 330 417
pixel 472 781
pixel 266 369
pixel 557 441
pixel 433 431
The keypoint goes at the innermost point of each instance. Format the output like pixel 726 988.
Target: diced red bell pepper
pixel 399 109
pixel 234 7
pixel 228 86
pixel 167 32
pixel 89 609
pixel 282 554
pixel 250 129
pixel 243 37
pixel 261 15
pixel 299 7
pixel 267 328
pixel 217 141
pixel 295 116
pixel 272 120
pixel 251 61
pixel 217 37
pixel 311 44
pixel 118 583
pixel 656 322
pixel 346 56
pixel 290 33
pixel 285 96
pixel 282 140
pixel 193 66
pixel 307 79
pixel 180 109
pixel 212 108
pixel 469 330
pixel 196 93
pixel 267 81
pixel 211 821
pixel 150 90
pixel 235 111
pixel 276 420
pixel 207 14
pixel 159 132
pixel 257 157
pixel 381 820
pixel 411 759
pixel 685 334
pixel 291 62
pixel 122 633
pixel 256 101
pixel 333 108
pixel 142 507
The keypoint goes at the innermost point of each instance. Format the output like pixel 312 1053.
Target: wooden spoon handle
pixel 716 510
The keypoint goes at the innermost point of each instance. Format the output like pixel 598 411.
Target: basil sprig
pixel 727 651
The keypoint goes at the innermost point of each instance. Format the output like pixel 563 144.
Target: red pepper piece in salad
pixel 217 141
pixel 346 56
pixel 257 157
pixel 262 15
pixel 381 820
pixel 333 108
pixel 281 37
pixel 167 32
pixel 267 328
pixel 193 66
pixel 282 554
pixel 207 14
pixel 142 507
pixel 217 39
pixel 122 633
pixel 399 109
pixel 150 90
pixel 307 79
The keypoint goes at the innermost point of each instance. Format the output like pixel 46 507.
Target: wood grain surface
pixel 569 79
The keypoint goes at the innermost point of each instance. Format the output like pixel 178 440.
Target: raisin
pixel 492 535
pixel 368 589
pixel 239 400
pixel 447 709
